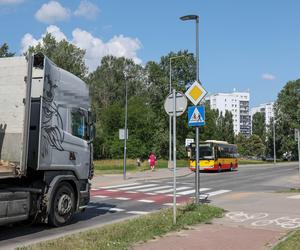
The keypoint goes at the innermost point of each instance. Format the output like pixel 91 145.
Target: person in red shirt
pixel 152 160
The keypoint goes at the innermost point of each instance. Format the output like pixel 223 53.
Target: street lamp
pixel 274 142
pixel 197 177
pixel 170 118
pixel 125 137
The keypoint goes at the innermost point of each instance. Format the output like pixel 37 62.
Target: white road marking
pixel 137 212
pixel 122 185
pixel 192 191
pixel 112 190
pixel 111 209
pixel 294 197
pixel 137 187
pixel 153 188
pixel 131 192
pixel 95 189
pixel 171 204
pixel 100 196
pixel 122 198
pixel 171 190
pixel 91 206
pixel 150 193
pixel 222 191
pixel 146 201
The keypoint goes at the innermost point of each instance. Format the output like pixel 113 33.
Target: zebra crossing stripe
pixel 100 196
pixel 146 201
pixel 122 198
pixel 222 191
pixel 171 204
pixel 119 186
pixel 192 191
pixel 137 187
pixel 171 190
pixel 294 197
pixel 153 188
pixel 111 209
pixel 137 212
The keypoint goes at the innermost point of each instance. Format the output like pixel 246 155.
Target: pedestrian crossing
pixel 151 192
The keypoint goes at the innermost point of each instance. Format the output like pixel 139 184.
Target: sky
pixel 244 45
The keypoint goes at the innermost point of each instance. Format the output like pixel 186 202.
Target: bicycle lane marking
pixel 261 220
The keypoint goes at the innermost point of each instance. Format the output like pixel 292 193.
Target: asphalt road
pixel 119 202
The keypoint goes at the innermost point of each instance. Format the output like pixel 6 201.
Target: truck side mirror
pixel 91 118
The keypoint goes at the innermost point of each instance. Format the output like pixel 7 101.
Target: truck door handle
pixel 72 156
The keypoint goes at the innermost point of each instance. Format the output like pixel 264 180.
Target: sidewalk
pixel 215 237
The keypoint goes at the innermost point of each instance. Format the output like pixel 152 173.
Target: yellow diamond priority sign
pixel 195 93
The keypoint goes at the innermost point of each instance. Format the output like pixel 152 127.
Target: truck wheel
pixel 63 205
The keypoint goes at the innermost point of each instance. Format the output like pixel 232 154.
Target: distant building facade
pixel 238 104
pixel 267 109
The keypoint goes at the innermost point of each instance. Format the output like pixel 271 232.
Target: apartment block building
pixel 238 104
pixel 267 109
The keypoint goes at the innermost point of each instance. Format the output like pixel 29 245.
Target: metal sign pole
pixel 197 166
pixel 174 156
pixel 197 128
pixel 299 149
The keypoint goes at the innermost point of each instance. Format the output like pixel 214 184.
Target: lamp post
pixel 170 118
pixel 125 137
pixel 274 142
pixel 197 177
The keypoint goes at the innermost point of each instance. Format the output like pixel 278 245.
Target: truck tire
pixel 63 205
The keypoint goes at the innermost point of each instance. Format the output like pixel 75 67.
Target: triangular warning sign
pixel 196 117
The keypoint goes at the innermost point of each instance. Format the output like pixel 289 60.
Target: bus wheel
pixel 220 168
pixel 231 167
pixel 63 205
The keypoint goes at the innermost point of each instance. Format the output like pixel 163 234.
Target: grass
pixel 116 166
pixel 246 161
pixel 124 235
pixel 291 243
pixel 291 190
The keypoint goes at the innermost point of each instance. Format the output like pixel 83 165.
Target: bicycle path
pixel 252 221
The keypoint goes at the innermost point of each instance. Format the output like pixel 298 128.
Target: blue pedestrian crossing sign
pixel 196 116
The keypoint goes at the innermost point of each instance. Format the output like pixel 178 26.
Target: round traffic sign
pixel 181 104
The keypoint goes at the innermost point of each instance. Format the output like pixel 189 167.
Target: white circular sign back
pixel 181 104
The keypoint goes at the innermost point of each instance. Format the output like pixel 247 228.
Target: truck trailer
pixel 46 134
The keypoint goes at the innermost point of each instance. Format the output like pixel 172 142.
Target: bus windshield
pixel 206 152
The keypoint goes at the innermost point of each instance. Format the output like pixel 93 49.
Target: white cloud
pixel 87 10
pixel 10 2
pixel 267 77
pixel 28 40
pixel 52 12
pixel 95 48
pixel 56 32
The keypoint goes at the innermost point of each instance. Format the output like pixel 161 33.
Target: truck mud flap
pixel 14 206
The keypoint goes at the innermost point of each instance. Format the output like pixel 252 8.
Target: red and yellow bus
pixel 213 155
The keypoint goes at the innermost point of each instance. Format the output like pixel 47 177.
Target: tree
pixel 64 54
pixel 4 51
pixel 107 86
pixel 258 125
pixel 287 117
pixel 252 146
